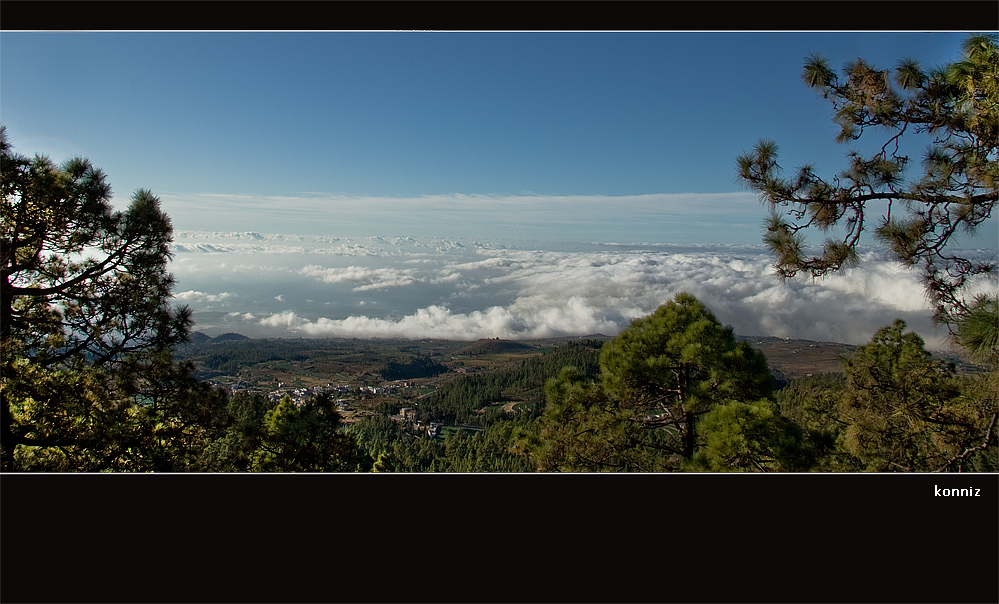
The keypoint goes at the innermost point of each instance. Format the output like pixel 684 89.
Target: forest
pixel 652 399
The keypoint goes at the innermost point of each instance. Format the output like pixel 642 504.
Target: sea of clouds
pixel 265 285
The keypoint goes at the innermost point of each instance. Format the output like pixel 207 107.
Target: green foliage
pixel 752 437
pixel 582 430
pixel 486 451
pixel 78 278
pixel 897 404
pixel 957 106
pixel 676 392
pixel 813 404
pixel 480 452
pixel 376 434
pixel 240 435
pixel 979 405
pixel 93 419
pixel 895 408
pixel 674 364
pixel 231 356
pixel 86 377
pixel 383 463
pixel 657 378
pixel 64 421
pixel 419 367
pixel 978 331
pixel 899 411
pixel 305 438
pixel 461 399
pixel 88 380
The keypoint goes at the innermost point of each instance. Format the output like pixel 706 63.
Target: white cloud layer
pixel 452 289
pixel 191 296
pixel 371 279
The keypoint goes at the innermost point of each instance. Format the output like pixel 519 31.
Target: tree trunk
pixel 6 435
pixel 688 435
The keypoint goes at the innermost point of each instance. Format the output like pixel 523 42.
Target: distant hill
pixel 229 337
pixel 199 338
pixel 421 367
pixel 496 346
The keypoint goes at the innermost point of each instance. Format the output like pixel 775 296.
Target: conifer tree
pixel 677 362
pixel 306 438
pixel 86 322
pixel 752 437
pixel 915 215
pixel 905 411
pixel 657 378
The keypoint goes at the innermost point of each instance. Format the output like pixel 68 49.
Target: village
pixel 347 398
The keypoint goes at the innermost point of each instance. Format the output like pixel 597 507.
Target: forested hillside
pixel 467 399
pixel 499 408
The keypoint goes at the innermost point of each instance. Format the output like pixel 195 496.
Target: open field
pixel 800 358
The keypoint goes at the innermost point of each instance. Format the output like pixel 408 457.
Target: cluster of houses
pixel 239 385
pixel 409 414
pixel 300 395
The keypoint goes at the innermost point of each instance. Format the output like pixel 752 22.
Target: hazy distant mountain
pixel 229 337
pixel 199 338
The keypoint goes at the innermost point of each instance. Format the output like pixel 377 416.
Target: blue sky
pixel 300 126
pixel 463 184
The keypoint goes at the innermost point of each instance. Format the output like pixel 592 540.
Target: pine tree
pixel 657 378
pixel 86 323
pixel 905 411
pixel 954 192
pixel 677 362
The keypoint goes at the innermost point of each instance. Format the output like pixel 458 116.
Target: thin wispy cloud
pixel 680 218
